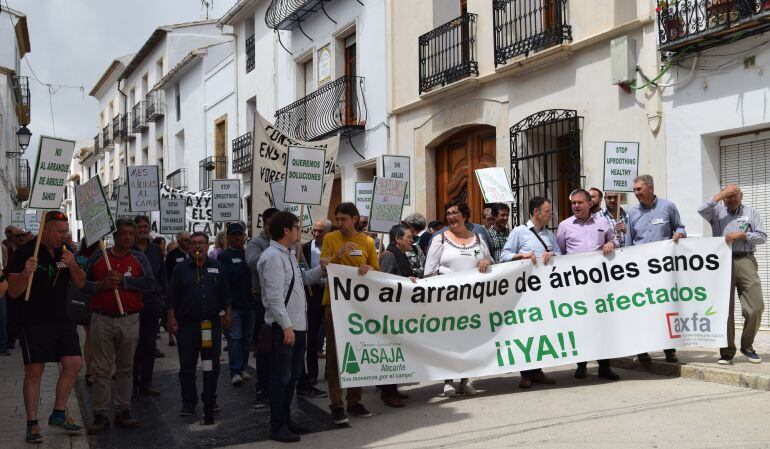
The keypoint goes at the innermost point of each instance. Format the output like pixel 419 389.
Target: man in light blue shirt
pixel 532 241
pixel 652 220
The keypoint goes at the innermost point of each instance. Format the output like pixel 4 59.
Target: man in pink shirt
pixel 583 233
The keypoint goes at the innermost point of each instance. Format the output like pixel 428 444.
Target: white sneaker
pixel 466 387
pixel 449 390
pixel 245 376
pixel 237 380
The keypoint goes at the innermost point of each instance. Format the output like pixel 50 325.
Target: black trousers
pixel 286 366
pixel 189 347
pixel 315 320
pixel 261 359
pixel 603 364
pixel 144 357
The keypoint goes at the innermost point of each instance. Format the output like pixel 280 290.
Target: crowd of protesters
pixel 269 296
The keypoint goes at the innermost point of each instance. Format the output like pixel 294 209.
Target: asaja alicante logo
pixel 349 361
pixel 385 355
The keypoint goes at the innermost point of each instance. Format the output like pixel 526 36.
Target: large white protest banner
pixel 172 214
pixel 269 165
pixel 521 316
pixel 226 204
pixel 387 203
pixel 143 188
pixel 94 210
pixel 494 185
pixel 52 169
pixel 397 167
pixel 364 197
pixel 621 166
pixel 304 176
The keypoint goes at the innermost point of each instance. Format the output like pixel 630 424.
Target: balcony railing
pixel 107 137
pixel 448 53
pixel 522 27
pixel 211 168
pixel 139 120
pixel 117 130
pixel 177 179
pixel 97 143
pixel 338 106
pixel 701 24
pixel 20 85
pixel 250 49
pixel 22 179
pixel 242 153
pixel 116 183
pixel 287 14
pixel 156 106
pixel 125 122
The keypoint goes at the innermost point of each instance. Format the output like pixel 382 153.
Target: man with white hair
pixel 741 226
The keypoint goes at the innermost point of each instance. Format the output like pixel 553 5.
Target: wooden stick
pixel 382 243
pixel 301 228
pixel 617 209
pixel 109 267
pixel 34 254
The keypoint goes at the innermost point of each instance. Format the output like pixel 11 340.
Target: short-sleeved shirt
pixel 498 239
pixel 658 222
pixel 198 293
pixel 365 254
pixel 576 236
pixel 47 300
pixel 524 240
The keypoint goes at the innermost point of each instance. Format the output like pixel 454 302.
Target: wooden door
pixel 456 161
pixel 351 100
pixel 335 199
pixel 220 148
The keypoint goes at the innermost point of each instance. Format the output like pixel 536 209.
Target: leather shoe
pixel 402 395
pixel 525 382
pixel 124 419
pixel 149 391
pixel 671 356
pixel 580 372
pixel 644 358
pixel 608 374
pixel 298 428
pixel 541 378
pixel 392 400
pixel 284 435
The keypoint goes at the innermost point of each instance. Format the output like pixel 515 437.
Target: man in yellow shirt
pixel 348 247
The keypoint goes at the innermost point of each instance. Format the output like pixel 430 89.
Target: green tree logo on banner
pixel 349 362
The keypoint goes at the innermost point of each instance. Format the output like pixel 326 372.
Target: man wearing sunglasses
pixel 47 336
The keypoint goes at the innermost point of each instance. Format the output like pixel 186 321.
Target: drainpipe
pixel 237 104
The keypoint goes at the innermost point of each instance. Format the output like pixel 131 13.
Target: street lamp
pixel 24 135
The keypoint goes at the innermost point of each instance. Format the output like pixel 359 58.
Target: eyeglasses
pixel 453 213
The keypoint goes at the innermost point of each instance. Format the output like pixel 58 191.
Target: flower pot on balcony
pixel 674 27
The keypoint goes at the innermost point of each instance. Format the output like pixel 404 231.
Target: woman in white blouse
pixel 457 248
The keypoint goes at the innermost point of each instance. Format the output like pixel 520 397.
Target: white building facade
pixel 14 112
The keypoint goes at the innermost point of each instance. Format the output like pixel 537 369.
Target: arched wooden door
pixel 456 160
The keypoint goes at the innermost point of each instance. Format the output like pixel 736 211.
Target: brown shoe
pixel 525 382
pixel 402 395
pixel 392 400
pixel 100 423
pixel 541 378
pixel 123 419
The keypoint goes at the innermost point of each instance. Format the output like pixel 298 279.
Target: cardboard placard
pixel 387 204
pixel 494 185
pixel 94 210
pixel 226 200
pixel 52 169
pixel 172 215
pixel 143 188
pixel 364 197
pixel 397 167
pixel 304 175
pixel 276 190
pixel 621 166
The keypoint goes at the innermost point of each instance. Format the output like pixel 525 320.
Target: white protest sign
pixel 226 200
pixel 494 185
pixel 304 175
pixel 52 169
pixel 172 215
pixel 387 204
pixel 94 210
pixel 521 316
pixel 32 220
pixel 124 207
pixel 364 197
pixel 113 204
pixel 17 218
pixel 143 188
pixel 397 167
pixel 621 166
pixel 276 189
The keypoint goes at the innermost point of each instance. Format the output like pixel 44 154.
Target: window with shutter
pixel 309 77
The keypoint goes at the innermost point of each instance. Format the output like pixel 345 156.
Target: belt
pixel 112 315
pixel 742 255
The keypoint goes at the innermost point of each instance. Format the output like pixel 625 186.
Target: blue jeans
pixel 239 340
pixel 3 323
pixel 286 365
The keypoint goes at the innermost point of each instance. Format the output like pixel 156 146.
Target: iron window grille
pixel 22 179
pixel 522 27
pixel 701 24
pixel 20 86
pixel 177 179
pixel 209 168
pixel 448 53
pixel 250 50
pixel 139 122
pixel 242 153
pixel 335 107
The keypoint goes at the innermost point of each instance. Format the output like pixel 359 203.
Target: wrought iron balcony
pixel 250 49
pixel 125 122
pixel 139 120
pixel 701 24
pixel 211 168
pixel 117 131
pixel 335 107
pixel 156 105
pixel 242 153
pixel 22 179
pixel 116 183
pixel 107 137
pixel 448 53
pixel 521 27
pixel 177 179
pixel 20 86
pixel 97 143
pixel 286 14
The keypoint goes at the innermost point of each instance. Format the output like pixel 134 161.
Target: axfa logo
pixel 678 325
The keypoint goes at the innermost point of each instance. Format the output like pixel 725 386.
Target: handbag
pixel 265 343
pixel 78 306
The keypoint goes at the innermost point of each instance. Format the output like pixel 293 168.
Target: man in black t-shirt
pixel 47 335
